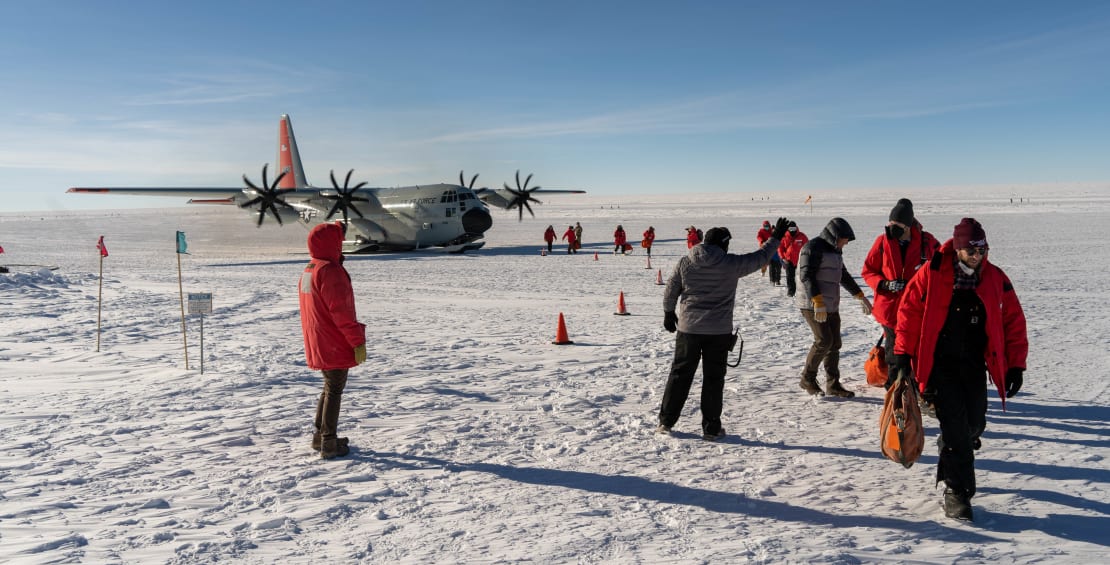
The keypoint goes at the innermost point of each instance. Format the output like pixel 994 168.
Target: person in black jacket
pixel 821 273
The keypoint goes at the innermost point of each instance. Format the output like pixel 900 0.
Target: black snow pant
pixel 961 402
pixel 791 284
pixel 776 271
pixel 888 343
pixel 712 351
pixel 549 246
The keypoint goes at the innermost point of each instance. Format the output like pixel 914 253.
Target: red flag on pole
pixel 808 198
pixel 1 249
pixel 100 246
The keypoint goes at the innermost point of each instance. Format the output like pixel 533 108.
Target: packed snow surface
pixel 475 439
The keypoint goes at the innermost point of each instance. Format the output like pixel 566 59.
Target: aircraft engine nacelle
pixel 288 215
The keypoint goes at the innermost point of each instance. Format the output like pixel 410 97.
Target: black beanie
pixel 718 237
pixel 903 212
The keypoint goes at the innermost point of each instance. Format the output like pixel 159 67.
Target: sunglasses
pixel 976 250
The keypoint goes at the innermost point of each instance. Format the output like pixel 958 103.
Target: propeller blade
pixel 529 209
pixel 278 180
pixel 347 180
pixel 264 183
pixel 333 183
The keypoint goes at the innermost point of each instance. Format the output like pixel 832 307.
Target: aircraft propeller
pixel 462 182
pixel 269 196
pixel 345 197
pixel 522 196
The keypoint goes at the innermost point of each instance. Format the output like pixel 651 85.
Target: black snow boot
pixel 957 504
pixel 833 388
pixel 809 384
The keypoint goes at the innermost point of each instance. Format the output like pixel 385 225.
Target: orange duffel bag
pixel 875 367
pixel 901 433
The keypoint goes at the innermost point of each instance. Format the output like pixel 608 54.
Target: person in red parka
pixel 959 316
pixel 619 240
pixel 896 255
pixel 789 249
pixel 775 263
pixel 549 237
pixel 649 239
pixel 572 240
pixel 692 237
pixel 334 340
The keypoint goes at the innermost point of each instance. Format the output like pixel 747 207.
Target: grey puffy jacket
pixel 821 268
pixel 706 281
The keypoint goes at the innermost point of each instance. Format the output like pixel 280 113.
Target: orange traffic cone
pixel 595 255
pixel 649 263
pixel 621 310
pixel 561 335
pixel 543 253
pixel 659 277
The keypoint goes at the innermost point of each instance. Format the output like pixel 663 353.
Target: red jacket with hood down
pixel 885 263
pixel 924 309
pixel 331 329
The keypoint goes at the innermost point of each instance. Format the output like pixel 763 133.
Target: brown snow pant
pixel 327 409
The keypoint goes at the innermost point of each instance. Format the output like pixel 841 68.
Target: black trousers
pixel 791 284
pixel 712 352
pixel 776 270
pixel 888 343
pixel 961 403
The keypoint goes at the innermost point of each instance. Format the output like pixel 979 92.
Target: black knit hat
pixel 902 212
pixel 718 237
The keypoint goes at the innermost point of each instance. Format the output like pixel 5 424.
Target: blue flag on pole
pixel 181 245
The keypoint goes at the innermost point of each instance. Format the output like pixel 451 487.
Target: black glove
pixel 1013 381
pixel 780 228
pixel 901 366
pixel 893 286
pixel 670 321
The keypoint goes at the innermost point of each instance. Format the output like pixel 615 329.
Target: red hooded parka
pixel 885 262
pixel 328 321
pixel 924 309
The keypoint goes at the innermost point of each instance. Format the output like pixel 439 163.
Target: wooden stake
pixel 181 293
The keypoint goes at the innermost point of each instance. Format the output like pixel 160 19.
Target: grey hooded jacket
pixel 821 268
pixel 706 281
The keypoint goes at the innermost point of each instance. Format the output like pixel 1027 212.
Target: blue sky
pixel 615 97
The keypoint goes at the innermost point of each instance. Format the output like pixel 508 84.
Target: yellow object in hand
pixel 360 354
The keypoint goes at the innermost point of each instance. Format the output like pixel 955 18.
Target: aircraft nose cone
pixel 477 221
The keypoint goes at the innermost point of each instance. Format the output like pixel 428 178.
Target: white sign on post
pixel 200 302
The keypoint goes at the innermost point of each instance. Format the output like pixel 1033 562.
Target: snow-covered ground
pixel 477 440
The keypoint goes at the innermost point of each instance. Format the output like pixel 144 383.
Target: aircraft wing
pixel 199 195
pixel 503 198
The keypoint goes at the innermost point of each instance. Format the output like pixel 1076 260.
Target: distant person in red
pixel 693 237
pixel 649 239
pixel 572 240
pixel 902 249
pixel 334 340
pixel 789 249
pixel 960 318
pixel 619 240
pixel 775 263
pixel 549 236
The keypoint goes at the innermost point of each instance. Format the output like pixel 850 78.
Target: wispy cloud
pixel 225 82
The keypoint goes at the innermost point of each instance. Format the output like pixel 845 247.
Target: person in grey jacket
pixel 821 273
pixel 705 279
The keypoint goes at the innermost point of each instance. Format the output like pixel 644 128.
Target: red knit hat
pixel 969 233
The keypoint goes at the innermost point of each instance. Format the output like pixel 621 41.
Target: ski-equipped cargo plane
pixel 450 216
